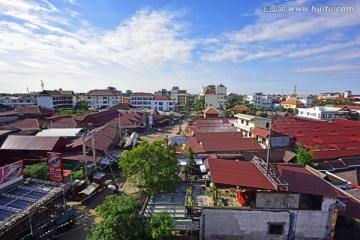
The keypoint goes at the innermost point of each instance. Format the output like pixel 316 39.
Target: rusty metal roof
pixel 14 142
pixel 236 173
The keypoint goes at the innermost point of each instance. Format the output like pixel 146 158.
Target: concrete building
pixel 320 113
pixel 14 101
pixel 246 123
pixel 292 103
pixel 329 96
pixel 215 96
pixel 150 101
pixel 57 99
pixel 306 99
pixel 179 96
pixel 289 203
pixel 103 98
pixel 261 99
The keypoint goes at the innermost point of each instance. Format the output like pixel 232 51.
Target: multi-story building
pixel 103 98
pixel 246 124
pixel 329 96
pixel 261 99
pixel 13 101
pixel 148 100
pixel 306 99
pixel 292 104
pixel 215 96
pixel 57 99
pixel 320 113
pixel 179 96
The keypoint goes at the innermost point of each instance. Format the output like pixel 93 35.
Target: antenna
pixel 27 88
pixel 295 90
pixel 42 85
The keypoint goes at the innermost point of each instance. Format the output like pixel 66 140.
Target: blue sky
pixel 146 45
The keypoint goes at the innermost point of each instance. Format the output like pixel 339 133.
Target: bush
pixel 78 174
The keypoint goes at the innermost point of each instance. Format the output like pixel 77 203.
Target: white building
pixel 57 99
pixel 17 101
pixel 148 100
pixel 103 98
pixel 319 113
pixel 179 96
pixel 246 124
pixel 215 96
pixel 261 99
pixel 306 99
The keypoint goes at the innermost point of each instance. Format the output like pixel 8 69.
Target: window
pixel 267 125
pixel 276 228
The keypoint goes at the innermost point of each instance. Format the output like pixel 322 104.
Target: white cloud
pixel 274 31
pixel 43 47
pixel 332 68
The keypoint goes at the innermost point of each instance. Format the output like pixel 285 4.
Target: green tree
pixel 262 108
pixel 227 114
pixel 120 219
pixel 152 165
pixel 199 103
pixel 82 105
pixel 37 171
pixel 251 109
pixel 128 93
pixel 304 157
pixel 161 226
pixel 233 101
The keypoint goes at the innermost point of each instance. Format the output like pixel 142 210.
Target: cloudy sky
pixel 146 45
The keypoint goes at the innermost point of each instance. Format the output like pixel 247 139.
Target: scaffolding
pixel 25 199
pixel 271 172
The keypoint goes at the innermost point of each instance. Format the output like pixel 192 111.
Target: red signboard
pixel 54 163
pixel 11 172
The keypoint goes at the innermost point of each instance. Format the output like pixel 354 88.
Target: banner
pixel 11 172
pixel 55 169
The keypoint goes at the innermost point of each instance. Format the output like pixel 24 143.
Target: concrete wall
pixel 277 200
pixel 45 101
pixel 311 224
pixel 244 224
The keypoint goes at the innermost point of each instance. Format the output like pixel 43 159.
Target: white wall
pixel 45 101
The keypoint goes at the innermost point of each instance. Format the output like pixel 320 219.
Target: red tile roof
pixel 211 110
pixel 210 91
pixel 161 98
pixel 103 92
pixel 142 94
pixel 240 108
pixel 237 173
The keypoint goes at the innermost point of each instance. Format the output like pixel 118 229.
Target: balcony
pixel 243 127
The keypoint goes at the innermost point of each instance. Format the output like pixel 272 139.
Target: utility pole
pixel 268 150
pixel 93 148
pixel 85 159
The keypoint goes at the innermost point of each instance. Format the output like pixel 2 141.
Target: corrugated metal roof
pixel 59 132
pixel 14 142
pixel 236 173
pixel 240 144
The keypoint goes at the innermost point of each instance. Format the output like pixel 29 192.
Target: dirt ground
pixel 170 131
pixel 88 218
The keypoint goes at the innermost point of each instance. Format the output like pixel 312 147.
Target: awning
pixel 90 189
